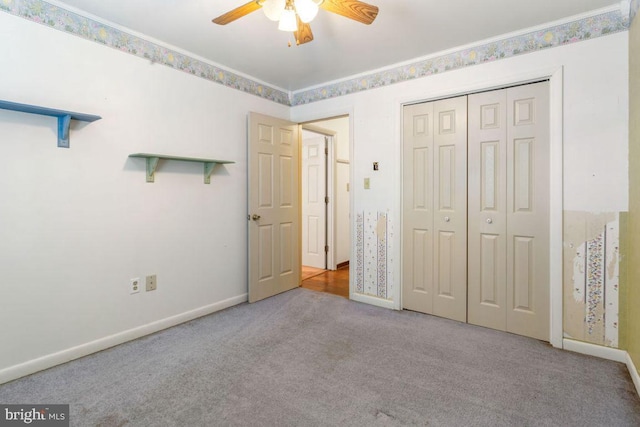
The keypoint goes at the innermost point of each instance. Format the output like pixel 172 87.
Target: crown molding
pixel 634 5
pixel 574 29
pixel 70 20
pixel 571 30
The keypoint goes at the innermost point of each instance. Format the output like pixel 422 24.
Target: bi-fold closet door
pixel 508 278
pixel 435 208
pixel 503 269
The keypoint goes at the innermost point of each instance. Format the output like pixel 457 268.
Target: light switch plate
pixel 151 283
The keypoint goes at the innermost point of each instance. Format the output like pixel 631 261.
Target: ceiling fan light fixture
pixel 288 21
pixel 273 8
pixel 295 15
pixel 306 9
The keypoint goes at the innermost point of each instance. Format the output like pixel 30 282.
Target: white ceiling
pixel 403 30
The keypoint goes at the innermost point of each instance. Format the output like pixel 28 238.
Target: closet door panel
pixel 528 210
pixel 487 209
pixel 450 209
pixel 417 264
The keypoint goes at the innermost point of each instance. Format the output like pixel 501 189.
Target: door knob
pixel 255 217
pixel 447 219
pixel 489 221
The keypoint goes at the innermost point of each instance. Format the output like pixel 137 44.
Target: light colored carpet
pixel 305 358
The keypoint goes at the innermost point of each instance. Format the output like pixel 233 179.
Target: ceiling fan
pixel 295 15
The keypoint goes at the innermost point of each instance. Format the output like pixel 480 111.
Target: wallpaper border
pixel 61 19
pixel 570 32
pixel 587 28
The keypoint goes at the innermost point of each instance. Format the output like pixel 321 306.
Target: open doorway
pixel 325 206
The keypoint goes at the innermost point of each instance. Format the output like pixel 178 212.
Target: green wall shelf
pixel 153 159
pixel 64 117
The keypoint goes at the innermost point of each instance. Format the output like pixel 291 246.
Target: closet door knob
pixel 489 221
pixel 255 217
pixel 447 219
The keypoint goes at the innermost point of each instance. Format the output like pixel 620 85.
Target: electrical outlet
pixel 134 285
pixel 151 283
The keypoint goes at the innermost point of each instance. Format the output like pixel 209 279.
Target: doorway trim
pixel 555 76
pixel 308 118
pixel 330 255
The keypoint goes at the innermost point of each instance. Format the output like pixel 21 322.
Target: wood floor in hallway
pixel 333 282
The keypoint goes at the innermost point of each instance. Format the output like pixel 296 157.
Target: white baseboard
pixel 595 350
pixel 605 353
pixel 45 362
pixel 370 299
pixel 634 373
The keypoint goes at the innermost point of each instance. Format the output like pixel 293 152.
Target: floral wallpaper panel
pixel 373 273
pixel 591 264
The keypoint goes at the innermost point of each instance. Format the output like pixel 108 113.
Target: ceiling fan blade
pixel 304 34
pixel 238 12
pixel 353 9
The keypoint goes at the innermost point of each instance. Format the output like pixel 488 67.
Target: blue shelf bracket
pixel 64 117
pixel 63 131
pixel 152 164
pixel 208 169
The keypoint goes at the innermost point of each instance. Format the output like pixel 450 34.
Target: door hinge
pixel 326 151
pixel 326 248
pixel 326 199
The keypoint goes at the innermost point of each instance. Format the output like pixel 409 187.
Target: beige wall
pixel 77 224
pixel 631 313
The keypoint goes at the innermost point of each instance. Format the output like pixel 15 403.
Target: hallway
pixel 333 282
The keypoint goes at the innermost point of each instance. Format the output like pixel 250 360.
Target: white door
pixel 314 192
pixel 274 208
pixel 509 210
pixel 417 208
pixel 528 210
pixel 450 209
pixel 434 211
pixel 488 209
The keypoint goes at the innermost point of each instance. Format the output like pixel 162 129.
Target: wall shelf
pixel 64 117
pixel 153 159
